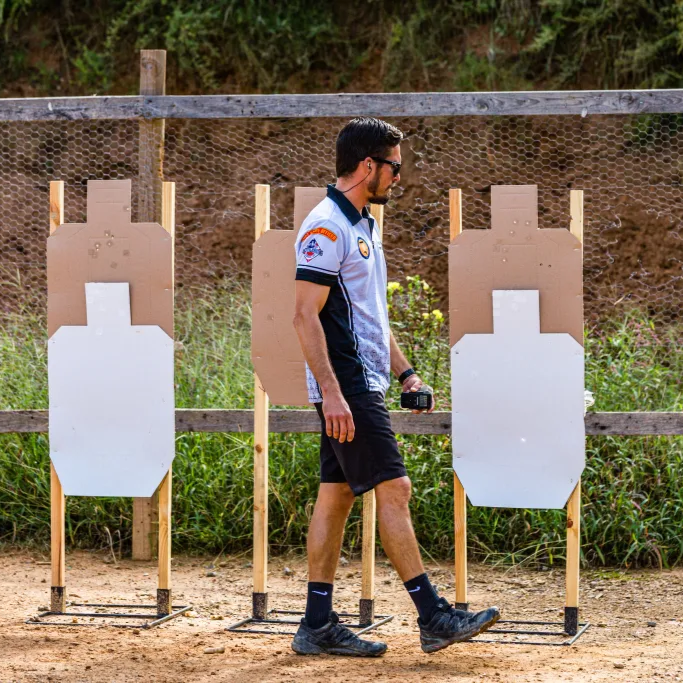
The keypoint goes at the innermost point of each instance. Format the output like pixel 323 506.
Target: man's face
pixel 382 179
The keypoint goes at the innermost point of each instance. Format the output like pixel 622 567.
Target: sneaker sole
pixel 430 648
pixel 312 649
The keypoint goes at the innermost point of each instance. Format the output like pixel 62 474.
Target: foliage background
pixel 49 46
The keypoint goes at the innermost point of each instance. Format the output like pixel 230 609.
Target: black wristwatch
pixel 404 375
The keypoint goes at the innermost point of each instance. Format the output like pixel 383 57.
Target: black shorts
pixel 372 457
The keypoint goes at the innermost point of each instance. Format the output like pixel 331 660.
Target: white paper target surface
pixel 518 409
pixel 112 407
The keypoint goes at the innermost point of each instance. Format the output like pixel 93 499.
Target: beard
pixel 375 196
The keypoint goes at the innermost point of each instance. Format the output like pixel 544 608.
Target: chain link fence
pixel 629 166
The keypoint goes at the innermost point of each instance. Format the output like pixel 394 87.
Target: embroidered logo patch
pixel 363 248
pixel 321 231
pixel 312 250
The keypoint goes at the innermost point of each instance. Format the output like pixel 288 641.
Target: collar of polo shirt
pixel 347 208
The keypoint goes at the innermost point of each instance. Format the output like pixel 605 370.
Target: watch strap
pixel 405 374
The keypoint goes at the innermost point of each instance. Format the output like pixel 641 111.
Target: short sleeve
pixel 319 254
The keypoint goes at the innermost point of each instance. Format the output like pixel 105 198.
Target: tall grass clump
pixel 632 502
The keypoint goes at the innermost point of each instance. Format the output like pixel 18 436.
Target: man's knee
pixel 339 496
pixel 394 493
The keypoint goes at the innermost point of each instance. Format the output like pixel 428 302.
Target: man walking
pixel 342 322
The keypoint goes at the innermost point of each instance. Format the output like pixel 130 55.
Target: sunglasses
pixel 395 165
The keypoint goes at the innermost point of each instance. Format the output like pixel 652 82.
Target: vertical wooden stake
pixel 460 526
pixel 260 561
pixel 571 610
pixel 164 493
pixel 57 500
pixel 151 149
pixel 164 596
pixel 576 213
pixel 145 524
pixel 168 219
pixel 455 212
pixel 56 204
pixel 150 169
pixel 57 543
pixel 366 607
pixel 459 497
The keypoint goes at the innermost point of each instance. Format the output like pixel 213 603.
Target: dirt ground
pixel 636 632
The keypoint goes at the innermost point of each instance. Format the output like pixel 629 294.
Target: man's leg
pixel 320 631
pixel 325 535
pixel 396 527
pixel 326 530
pixel 440 625
pixel 400 544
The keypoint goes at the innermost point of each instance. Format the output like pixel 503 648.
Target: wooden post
pixel 145 523
pixel 165 491
pixel 150 169
pixel 366 607
pixel 459 497
pixel 164 597
pixel 460 526
pixel 571 610
pixel 151 149
pixel 56 204
pixel 260 560
pixel 57 500
pixel 57 543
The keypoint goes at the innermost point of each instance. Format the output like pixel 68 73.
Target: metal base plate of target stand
pixel 546 633
pixel 269 626
pixel 102 614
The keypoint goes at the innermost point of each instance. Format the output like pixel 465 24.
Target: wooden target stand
pixel 152 615
pixel 270 619
pixel 570 630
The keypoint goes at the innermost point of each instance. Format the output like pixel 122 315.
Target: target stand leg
pixel 57 535
pixel 571 610
pixel 164 596
pixel 460 524
pixel 366 608
pixel 259 605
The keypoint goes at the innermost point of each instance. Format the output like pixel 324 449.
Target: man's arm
pixel 310 299
pixel 399 364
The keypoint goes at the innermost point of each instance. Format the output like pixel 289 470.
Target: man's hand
pixel 414 383
pixel 338 419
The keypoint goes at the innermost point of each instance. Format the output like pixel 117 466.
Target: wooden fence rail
pixel 535 103
pixel 306 421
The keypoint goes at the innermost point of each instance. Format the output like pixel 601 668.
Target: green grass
pixel 633 501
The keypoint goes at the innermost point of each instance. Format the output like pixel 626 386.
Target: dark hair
pixel 364 137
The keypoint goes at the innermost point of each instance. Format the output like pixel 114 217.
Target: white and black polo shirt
pixel 341 248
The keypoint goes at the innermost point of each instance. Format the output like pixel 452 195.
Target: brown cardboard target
pixel 110 248
pixel 515 254
pixel 275 349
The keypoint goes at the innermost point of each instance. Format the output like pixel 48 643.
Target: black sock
pixel 318 604
pixel 424 596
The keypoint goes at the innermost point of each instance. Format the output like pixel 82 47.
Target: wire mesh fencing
pixel 629 166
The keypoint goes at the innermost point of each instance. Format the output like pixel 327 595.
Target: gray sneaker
pixel 334 639
pixel 449 625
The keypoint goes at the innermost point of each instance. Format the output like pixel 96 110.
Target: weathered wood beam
pixel 578 103
pixel 306 421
